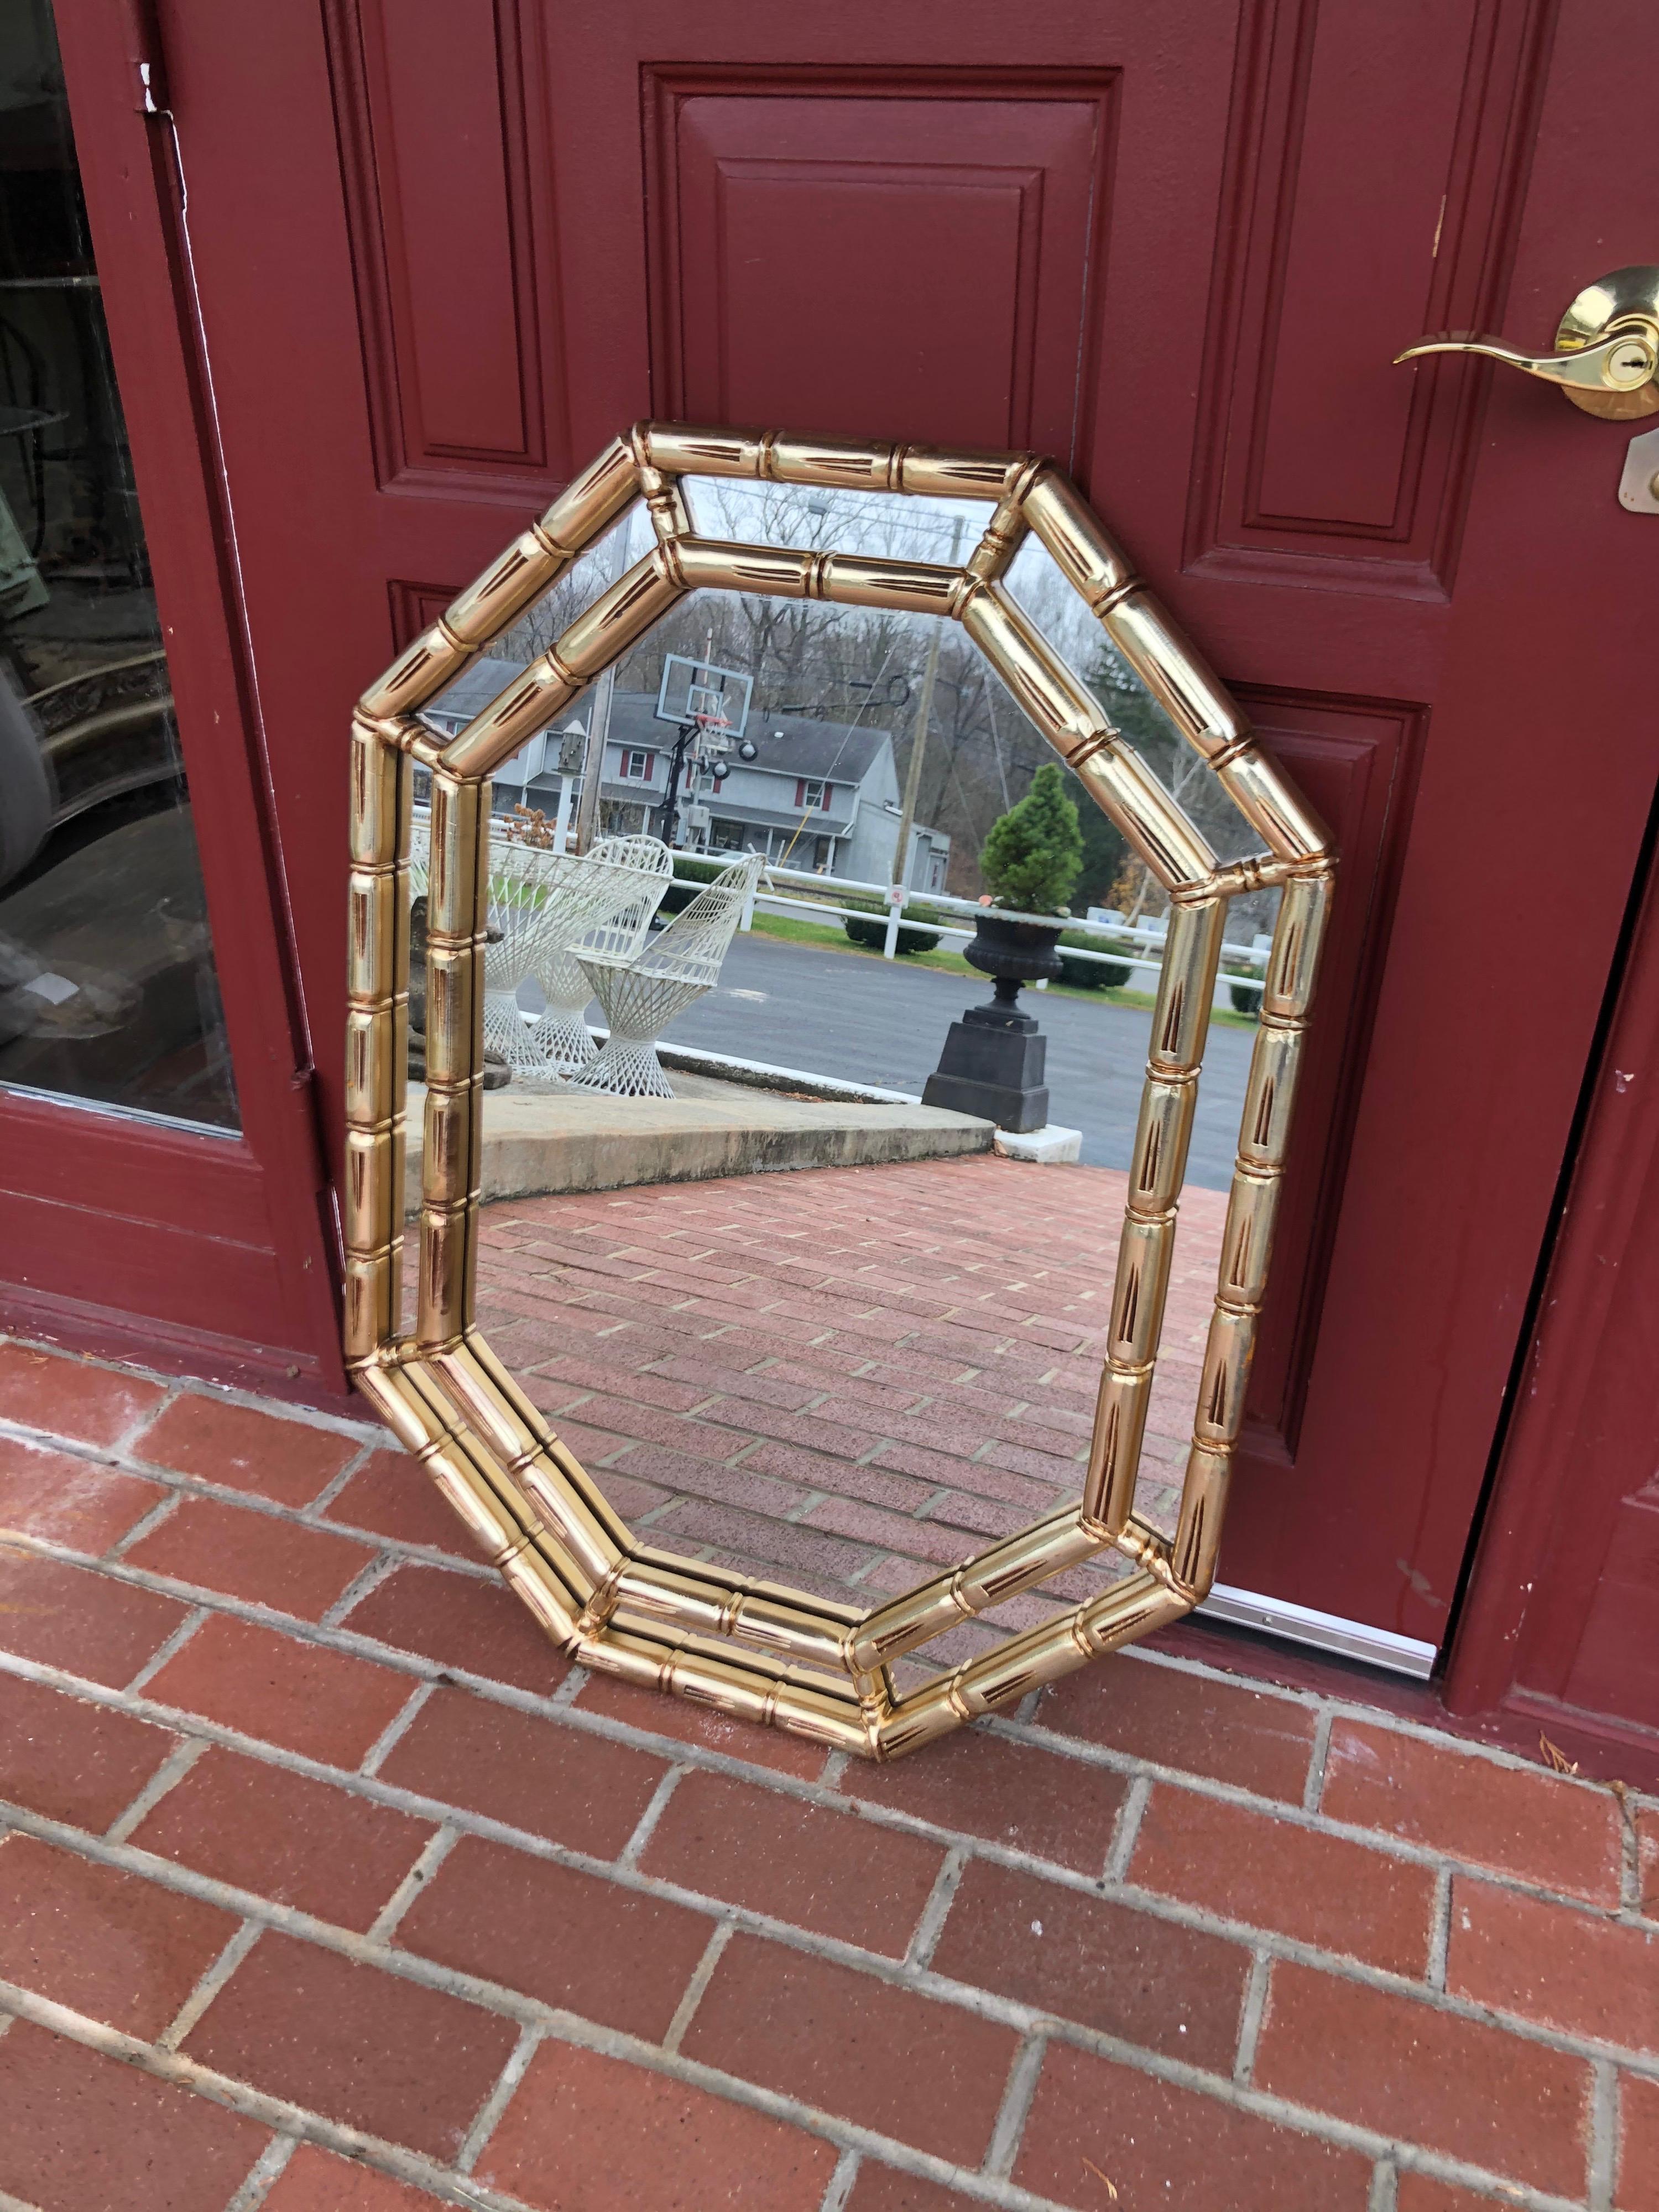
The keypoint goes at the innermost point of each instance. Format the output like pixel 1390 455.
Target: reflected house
pixel 822 796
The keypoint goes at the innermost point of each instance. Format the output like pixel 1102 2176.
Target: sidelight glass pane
pixel 108 991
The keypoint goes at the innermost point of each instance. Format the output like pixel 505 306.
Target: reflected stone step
pixel 537 1142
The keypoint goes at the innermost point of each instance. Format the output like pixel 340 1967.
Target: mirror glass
pixel 798 1321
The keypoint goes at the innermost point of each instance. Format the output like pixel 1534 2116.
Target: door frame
pixel 1574 1401
pixel 177 1247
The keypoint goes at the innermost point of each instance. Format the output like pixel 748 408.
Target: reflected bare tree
pixel 861 666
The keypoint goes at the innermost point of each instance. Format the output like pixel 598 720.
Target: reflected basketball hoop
pixel 704 693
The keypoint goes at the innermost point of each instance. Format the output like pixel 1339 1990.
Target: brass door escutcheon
pixel 1606 347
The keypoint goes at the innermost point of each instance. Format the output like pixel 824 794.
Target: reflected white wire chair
pixel 641 996
pixel 636 872
pixel 539 902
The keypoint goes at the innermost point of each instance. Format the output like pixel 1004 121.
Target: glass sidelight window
pixel 108 991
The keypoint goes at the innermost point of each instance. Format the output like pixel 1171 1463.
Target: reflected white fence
pixel 800 893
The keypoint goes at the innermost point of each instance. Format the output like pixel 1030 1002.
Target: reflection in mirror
pixel 731 890
pixel 108 991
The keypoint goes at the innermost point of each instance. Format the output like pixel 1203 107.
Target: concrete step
pixel 540 1141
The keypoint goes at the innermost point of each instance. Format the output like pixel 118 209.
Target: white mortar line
pixel 1604 2135
pixel 1015 2109
pixel 163 1510
pixel 1023 2019
pixel 930 1925
pixel 252 1501
pixel 336 1483
pixel 1440 1911
pixel 378 1569
pixel 169 1874
pixel 173 1769
pixel 190 1385
pixel 427 1673
pixel 1126 1831
pixel 702 1974
pixel 1250 2020
pixel 656 1806
pixel 489 2112
pixel 172 1391
pixel 265 2171
pixel 436 1850
pixel 401 1720
pixel 1348 1709
pixel 1314 1788
pixel 840 2185
pixel 174 1644
pixel 209 1985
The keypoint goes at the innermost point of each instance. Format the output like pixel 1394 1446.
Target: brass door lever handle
pixel 1607 347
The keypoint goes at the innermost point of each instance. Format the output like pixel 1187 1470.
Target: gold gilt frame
pixel 751 1648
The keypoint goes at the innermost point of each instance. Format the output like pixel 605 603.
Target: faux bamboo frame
pixel 751 1648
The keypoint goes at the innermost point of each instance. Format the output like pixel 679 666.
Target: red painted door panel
pixel 898 198
pixel 447 251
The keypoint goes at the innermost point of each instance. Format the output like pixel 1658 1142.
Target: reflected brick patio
pixel 846 1379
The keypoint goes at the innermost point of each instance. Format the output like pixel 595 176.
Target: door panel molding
pixel 902 168
pixel 1321 461
pixel 442 249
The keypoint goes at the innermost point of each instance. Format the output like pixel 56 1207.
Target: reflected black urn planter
pixel 993 1061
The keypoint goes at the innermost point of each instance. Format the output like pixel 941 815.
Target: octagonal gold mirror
pixel 751 1648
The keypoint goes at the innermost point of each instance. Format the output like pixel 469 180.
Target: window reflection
pixel 108 990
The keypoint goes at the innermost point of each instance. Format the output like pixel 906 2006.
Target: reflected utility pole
pixel 919 738
pixel 598 713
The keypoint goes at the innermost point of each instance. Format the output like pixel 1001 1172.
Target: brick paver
pixel 409 2065
pixel 70 1761
pixel 587 2134
pixel 103 1941
pixel 328 1884
pixel 830 1872
pixel 1506 1817
pixel 78 2130
pixel 67 1500
pixel 1637 2189
pixel 1257 1868
pixel 287 1837
pixel 315 2181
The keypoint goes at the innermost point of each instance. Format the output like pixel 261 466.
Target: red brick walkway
pixel 326 1885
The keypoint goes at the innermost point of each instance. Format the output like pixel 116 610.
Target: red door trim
pixel 215 1251
pixel 1575 1434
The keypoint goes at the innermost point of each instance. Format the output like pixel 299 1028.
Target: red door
pixel 445 253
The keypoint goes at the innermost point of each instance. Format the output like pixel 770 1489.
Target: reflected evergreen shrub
pixel 1091 974
pixel 872 929
pixel 1032 854
pixel 689 877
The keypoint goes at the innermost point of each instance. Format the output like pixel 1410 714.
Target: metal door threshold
pixel 1301 1624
